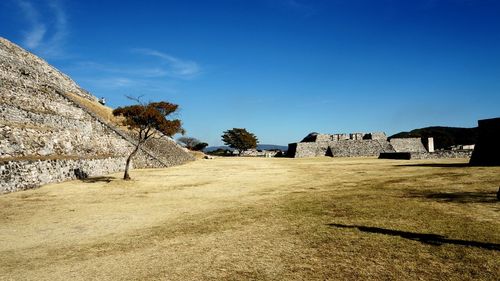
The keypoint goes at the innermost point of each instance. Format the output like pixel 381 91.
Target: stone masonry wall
pixel 19 175
pixel 408 145
pixel 16 63
pixel 308 149
pixel 441 154
pixel 357 148
pixel 371 144
pixel 165 150
pixel 342 148
pixel 38 121
pixel 341 145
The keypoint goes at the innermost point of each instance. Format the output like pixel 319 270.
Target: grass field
pixel 260 219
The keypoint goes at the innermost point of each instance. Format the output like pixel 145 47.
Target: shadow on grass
pixel 457 197
pixel 98 179
pixel 437 165
pixel 432 239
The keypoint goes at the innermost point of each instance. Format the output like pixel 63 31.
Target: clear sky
pixel 280 68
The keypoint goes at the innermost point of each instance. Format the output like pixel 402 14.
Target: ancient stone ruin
pixel 50 130
pixel 352 145
pixel 369 144
pixel 487 149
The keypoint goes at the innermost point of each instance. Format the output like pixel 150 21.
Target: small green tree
pixel 240 139
pixel 148 121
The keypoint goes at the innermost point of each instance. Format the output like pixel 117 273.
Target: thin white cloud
pixel 110 83
pixel 46 36
pixel 119 82
pixel 60 24
pixel 144 72
pixel 101 77
pixel 177 67
pixel 35 35
pixel 127 85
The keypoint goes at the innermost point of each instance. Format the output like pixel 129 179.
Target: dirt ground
pixel 260 219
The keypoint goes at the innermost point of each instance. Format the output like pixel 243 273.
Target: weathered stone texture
pixel 39 120
pixel 165 150
pixel 259 153
pixel 340 145
pixel 307 149
pixel 19 175
pixel 17 64
pixel 357 148
pixel 408 145
pixel 324 138
pixel 352 145
pixel 440 154
pixel 379 136
pixel 487 149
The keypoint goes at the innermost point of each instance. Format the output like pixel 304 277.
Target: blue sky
pixel 280 68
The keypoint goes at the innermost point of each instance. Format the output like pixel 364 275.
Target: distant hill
pixel 259 147
pixel 444 137
pixel 271 147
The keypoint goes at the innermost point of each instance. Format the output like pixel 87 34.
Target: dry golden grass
pixel 197 154
pixel 100 110
pixel 260 219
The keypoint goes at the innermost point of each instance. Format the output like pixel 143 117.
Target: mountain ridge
pixel 444 137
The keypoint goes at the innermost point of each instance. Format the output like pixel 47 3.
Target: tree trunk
pixel 126 176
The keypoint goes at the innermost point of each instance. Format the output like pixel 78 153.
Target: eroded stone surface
pixel 352 145
pixel 40 122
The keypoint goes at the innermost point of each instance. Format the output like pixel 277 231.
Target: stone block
pixel 408 145
pixel 487 149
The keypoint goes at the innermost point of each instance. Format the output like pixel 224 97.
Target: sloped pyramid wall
pixel 408 145
pixel 48 135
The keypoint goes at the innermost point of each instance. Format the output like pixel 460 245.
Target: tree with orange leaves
pixel 148 121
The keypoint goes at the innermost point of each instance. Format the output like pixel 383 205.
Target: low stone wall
pixel 442 154
pixel 256 153
pixel 26 174
pixel 426 155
